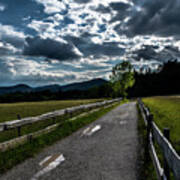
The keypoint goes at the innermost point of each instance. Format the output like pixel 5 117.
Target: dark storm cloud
pixel 156 17
pixel 82 1
pixel 122 11
pixel 49 48
pixel 148 52
pixel 88 47
pixel 103 9
pixel 119 6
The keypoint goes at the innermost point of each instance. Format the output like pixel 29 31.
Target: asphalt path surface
pixel 107 149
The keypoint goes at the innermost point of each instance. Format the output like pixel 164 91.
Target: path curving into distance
pixel 104 150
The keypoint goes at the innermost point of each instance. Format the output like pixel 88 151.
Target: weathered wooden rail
pixel 171 158
pixel 28 137
pixel 30 120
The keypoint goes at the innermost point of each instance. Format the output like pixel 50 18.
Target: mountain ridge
pixel 80 86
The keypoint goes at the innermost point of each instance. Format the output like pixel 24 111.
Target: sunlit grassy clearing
pixel 166 111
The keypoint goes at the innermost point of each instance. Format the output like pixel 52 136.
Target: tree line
pixel 164 82
pixel 125 81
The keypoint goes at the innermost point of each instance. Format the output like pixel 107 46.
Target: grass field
pixel 10 111
pixel 166 111
pixel 12 157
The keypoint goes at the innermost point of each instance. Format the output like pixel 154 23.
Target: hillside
pixel 82 86
pixel 17 88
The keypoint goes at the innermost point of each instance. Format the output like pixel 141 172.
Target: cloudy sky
pixel 63 41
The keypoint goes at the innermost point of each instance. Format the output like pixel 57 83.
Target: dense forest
pixel 164 82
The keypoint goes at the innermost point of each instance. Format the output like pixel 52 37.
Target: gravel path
pixel 104 150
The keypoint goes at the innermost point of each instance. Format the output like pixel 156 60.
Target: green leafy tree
pixel 122 78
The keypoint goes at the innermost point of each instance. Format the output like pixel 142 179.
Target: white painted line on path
pixel 91 130
pixel 49 163
pixel 123 122
pixel 44 160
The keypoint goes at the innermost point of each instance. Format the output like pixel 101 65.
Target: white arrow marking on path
pixel 123 122
pixel 49 163
pixel 44 160
pixel 90 131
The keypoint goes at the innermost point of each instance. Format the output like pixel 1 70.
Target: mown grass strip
pixel 166 115
pixel 146 170
pixel 17 155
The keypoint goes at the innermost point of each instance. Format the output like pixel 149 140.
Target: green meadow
pixel 166 111
pixel 10 111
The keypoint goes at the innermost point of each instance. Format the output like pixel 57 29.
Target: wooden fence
pixel 170 156
pixel 30 120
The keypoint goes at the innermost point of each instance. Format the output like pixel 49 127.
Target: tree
pixel 122 78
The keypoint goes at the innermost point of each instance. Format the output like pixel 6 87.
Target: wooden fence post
pixel 19 127
pixel 54 120
pixel 30 138
pixel 149 119
pixel 19 130
pixel 166 133
pixel 5 127
pixel 19 117
pixel 66 112
pixel 149 126
pixel 71 114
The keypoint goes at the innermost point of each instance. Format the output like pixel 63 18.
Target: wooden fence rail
pixel 171 158
pixel 29 120
pixel 28 137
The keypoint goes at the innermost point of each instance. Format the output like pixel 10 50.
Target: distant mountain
pixel 53 88
pixel 17 88
pixel 84 85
